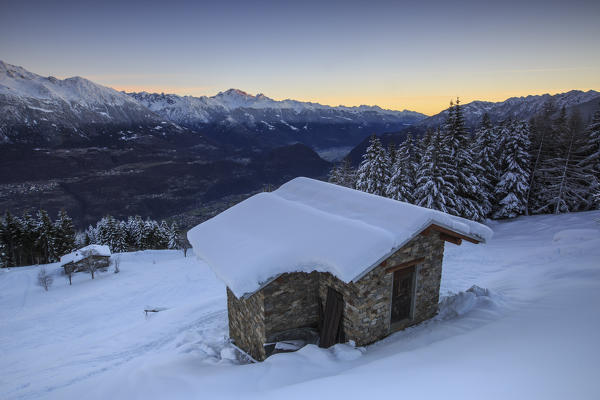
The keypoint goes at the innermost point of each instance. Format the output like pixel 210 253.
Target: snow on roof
pixel 78 255
pixel 308 225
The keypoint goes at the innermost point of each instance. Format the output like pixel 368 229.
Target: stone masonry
pixel 293 300
pixel 247 323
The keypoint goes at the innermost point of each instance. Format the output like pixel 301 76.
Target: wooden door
pixel 402 294
pixel 332 318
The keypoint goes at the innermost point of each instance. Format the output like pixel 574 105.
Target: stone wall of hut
pixel 247 323
pixel 294 300
pixel 291 301
pixel 367 302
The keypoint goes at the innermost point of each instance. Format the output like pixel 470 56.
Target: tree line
pixel 545 165
pixel 37 239
pixel 132 234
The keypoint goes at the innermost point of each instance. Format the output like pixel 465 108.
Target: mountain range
pixel 45 110
pixel 74 144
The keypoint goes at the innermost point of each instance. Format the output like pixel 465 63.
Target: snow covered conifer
pixel 28 238
pixel 485 150
pixel 135 228
pixel 565 185
pixel 402 182
pixel 9 234
pixel 512 187
pixel 163 236
pixel 544 134
pixel 343 174
pixel 173 237
pixel 334 175
pixel 65 234
pixel 434 189
pixel 46 239
pixel 458 146
pixel 391 152
pixel 590 164
pixel 374 170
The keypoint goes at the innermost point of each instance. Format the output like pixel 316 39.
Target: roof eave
pixel 429 223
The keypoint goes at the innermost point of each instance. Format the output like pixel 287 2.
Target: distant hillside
pixel 521 108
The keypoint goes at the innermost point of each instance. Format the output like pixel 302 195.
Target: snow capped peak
pixel 233 93
pixel 15 71
pixel 64 102
pixel 18 82
pixel 235 98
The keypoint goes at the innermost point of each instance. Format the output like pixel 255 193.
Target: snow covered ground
pixel 530 329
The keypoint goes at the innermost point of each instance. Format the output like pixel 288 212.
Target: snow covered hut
pixel 78 260
pixel 350 265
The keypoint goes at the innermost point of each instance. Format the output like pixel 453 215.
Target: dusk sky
pixel 399 55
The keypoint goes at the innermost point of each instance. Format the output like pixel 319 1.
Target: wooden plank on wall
pixel 404 265
pixel 451 239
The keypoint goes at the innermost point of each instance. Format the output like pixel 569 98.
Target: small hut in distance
pixel 317 257
pixel 79 260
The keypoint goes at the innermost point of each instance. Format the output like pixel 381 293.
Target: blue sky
pixel 413 55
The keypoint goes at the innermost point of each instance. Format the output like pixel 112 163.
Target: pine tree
pixel 101 231
pixel 457 143
pixel 65 234
pixel 590 163
pixel 110 232
pixel 403 178
pixel 485 150
pixel 544 144
pixel 46 238
pixel 163 236
pixel 391 152
pixel 118 234
pixel 11 232
pixel 173 237
pixel 565 187
pixel 90 234
pixel 511 190
pixel 348 174
pixel 434 189
pixel 374 170
pixel 28 238
pixel 343 174
pixel 3 250
pixel 135 228
pixel 335 175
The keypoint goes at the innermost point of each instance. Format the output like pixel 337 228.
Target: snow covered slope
pixel 528 330
pixel 308 225
pixel 30 99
